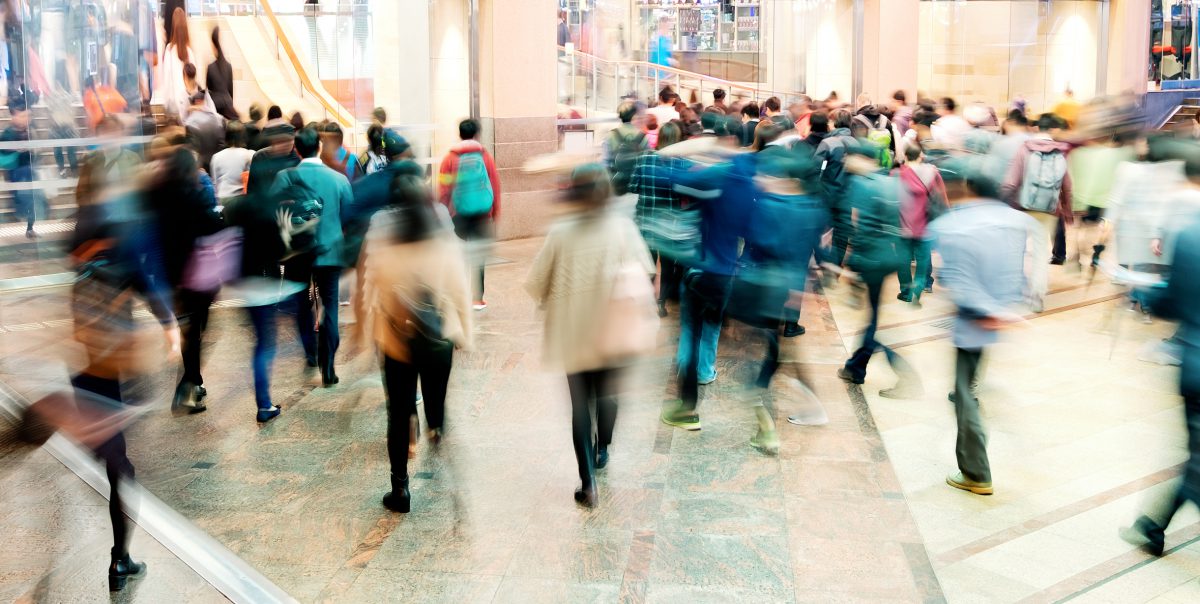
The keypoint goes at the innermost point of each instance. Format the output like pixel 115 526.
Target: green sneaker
pixel 679 417
pixel 766 442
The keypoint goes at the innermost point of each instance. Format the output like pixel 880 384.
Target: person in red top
pixel 469 186
pixel 922 198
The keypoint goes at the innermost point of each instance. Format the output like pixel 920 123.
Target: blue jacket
pixel 335 194
pixel 727 194
pixel 982 244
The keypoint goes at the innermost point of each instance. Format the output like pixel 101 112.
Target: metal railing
pixel 601 83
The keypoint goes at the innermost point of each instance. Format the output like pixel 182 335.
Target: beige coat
pixel 398 272
pixel 572 278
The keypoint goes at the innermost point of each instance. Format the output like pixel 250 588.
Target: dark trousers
pixel 770 362
pixel 475 231
pixel 971 446
pixel 1060 240
pixel 319 345
pixel 857 364
pixel 670 275
pixel 1189 488
pixel 193 320
pixel 263 320
pixel 593 403
pixel 707 294
pixel 107 391
pixel 430 362
pixel 914 279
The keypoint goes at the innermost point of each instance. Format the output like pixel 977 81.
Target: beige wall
pixel 890 48
pixel 449 88
pixel 1129 46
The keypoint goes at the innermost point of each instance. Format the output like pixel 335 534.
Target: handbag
pixel 216 260
pixel 629 328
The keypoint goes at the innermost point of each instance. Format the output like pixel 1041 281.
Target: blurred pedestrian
pixel 922 199
pixel 469 186
pixel 417 295
pixel 18 163
pixel 229 166
pixel 586 260
pixel 218 78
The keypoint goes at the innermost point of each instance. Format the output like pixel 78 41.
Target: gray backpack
pixel 1044 173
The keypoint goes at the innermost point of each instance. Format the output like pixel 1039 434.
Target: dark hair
pixel 719 95
pixel 308 143
pixel 235 134
pixel 334 131
pixel 1047 122
pixel 818 122
pixel 924 117
pixel 1017 116
pixel 913 151
pixel 714 109
pixel 666 94
pixel 651 122
pixel 708 120
pixel 380 115
pixel 627 111
pixel 841 118
pixel 468 129
pixel 669 134
pixel 772 104
pixel 375 138
pixel 899 95
pixel 411 209
pixel 750 110
pixel 949 103
pixel 189 71
pixel 590 185
pixel 197 97
pixel 216 41
pixel 255 112
pixel 297 121
pixel 273 113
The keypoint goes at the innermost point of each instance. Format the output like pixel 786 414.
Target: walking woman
pixel 172 93
pixel 418 303
pixel 661 216
pixel 573 280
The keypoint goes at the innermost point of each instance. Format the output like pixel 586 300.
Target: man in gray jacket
pixel 982 242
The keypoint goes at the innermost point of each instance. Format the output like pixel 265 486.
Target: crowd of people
pixel 737 211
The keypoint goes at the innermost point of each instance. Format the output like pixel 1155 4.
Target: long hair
pixel 669 134
pixel 179 34
pixel 411 210
pixel 216 41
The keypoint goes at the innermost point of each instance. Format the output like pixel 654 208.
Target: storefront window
pixel 1173 40
pixel 997 51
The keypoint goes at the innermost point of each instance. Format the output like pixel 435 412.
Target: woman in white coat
pixel 172 92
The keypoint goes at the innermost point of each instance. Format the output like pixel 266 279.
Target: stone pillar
pixel 517 83
pixel 890 48
pixel 1128 46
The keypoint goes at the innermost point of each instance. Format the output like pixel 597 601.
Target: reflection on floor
pixel 851 511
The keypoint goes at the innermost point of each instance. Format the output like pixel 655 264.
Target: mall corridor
pixel 574 301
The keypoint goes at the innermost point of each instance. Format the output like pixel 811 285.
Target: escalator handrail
pixel 679 72
pixel 294 59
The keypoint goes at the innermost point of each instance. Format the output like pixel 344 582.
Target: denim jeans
pixel 710 332
pixel 321 345
pixel 263 319
pixel 857 364
pixel 704 298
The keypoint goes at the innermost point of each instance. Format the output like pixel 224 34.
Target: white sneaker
pixel 479 305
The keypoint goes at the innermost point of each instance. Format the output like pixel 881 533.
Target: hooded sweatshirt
pixel 922 198
pixel 1010 190
pixel 448 174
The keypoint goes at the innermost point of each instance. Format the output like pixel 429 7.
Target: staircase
pixel 60 200
pixel 1183 114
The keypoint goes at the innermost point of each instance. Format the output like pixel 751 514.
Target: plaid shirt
pixel 653 182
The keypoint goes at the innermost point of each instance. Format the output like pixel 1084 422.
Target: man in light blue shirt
pixel 982 242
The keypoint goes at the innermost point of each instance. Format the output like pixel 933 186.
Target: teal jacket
pixel 332 188
pixel 876 242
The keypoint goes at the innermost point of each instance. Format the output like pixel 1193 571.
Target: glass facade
pixel 1173 40
pixel 996 51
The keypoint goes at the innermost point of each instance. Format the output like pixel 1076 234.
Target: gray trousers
pixel 971 447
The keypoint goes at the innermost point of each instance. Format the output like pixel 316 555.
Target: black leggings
pixel 591 390
pixel 430 361
pixel 107 391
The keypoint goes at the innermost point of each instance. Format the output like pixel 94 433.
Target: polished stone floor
pixel 1082 434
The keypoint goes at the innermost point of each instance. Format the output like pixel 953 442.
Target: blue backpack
pixel 473 195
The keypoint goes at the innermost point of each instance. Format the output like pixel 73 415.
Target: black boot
pixel 1096 251
pixel 398 500
pixel 328 377
pixel 123 569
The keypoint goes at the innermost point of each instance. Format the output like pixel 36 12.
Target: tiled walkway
pixel 852 511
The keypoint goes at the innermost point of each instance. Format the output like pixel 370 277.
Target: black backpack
pixel 306 208
pixel 623 153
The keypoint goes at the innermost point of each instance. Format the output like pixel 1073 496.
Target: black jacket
pixel 219 81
